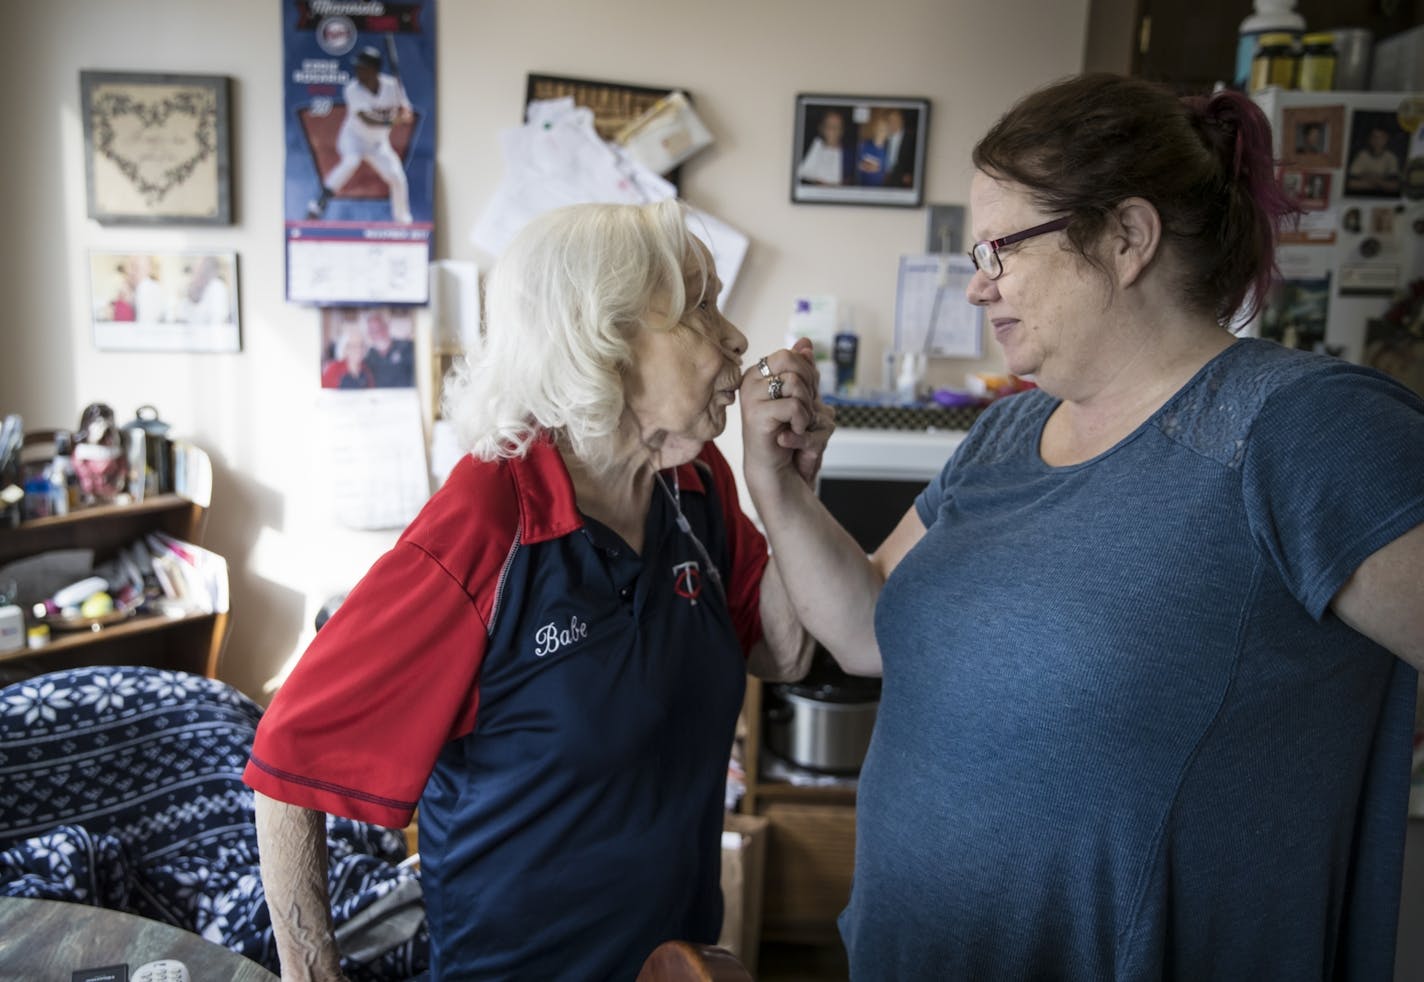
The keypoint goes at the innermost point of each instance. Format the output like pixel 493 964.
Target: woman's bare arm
pixel 292 844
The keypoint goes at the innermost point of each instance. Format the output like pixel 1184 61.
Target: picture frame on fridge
pixel 1378 149
pixel 1295 312
pixel 1310 189
pixel 1312 136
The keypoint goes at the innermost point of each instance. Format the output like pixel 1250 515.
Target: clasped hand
pixel 784 422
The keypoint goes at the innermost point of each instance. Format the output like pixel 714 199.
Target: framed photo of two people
pixel 863 150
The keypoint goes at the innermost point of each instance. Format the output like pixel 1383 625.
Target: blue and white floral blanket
pixel 122 788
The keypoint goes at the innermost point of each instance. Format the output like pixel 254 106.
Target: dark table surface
pixel 47 941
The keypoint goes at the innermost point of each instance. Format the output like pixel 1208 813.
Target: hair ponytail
pixel 1257 208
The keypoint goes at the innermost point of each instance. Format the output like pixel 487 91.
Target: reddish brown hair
pixel 1083 145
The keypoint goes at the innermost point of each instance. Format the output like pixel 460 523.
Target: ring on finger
pixel 764 368
pixel 774 386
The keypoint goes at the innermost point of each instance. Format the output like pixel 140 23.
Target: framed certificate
pixel 156 148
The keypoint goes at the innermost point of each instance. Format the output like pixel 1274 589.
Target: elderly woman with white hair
pixel 551 660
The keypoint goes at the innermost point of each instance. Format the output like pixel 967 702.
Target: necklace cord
pixel 675 497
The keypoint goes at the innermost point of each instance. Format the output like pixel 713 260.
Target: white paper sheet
pixel 728 247
pixel 445 451
pixel 353 271
pixel 455 304
pixel 666 134
pixel 931 289
pixel 557 158
pixel 372 452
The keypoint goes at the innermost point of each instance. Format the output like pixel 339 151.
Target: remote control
pixel 166 970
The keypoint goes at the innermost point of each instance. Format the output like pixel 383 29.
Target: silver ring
pixel 775 386
pixel 764 368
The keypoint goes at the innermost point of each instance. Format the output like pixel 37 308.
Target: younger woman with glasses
pixel 1149 641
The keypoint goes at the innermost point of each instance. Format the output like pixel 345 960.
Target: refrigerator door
pixel 1348 158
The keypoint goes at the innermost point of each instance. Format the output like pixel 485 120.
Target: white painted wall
pixel 743 61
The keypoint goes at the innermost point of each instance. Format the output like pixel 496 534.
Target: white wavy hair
pixel 560 306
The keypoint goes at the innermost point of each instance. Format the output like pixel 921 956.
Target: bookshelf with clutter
pixel 101 555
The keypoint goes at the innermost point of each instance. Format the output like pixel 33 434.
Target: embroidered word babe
pixel 549 638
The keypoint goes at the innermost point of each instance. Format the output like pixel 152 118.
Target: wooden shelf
pixel 811 846
pixel 139 624
pixel 189 642
pixel 193 643
pixel 158 503
pixel 104 528
pixel 768 791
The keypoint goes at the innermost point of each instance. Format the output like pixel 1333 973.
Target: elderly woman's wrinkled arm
pixel 1384 598
pixel 291 843
pixel 784 653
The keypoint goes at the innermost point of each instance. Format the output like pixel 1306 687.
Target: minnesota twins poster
pixel 360 136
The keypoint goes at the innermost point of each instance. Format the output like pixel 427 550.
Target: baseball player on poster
pixel 375 102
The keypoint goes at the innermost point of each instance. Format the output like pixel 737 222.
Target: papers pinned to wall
pixel 557 158
pixel 932 314
pixel 665 135
pixel 445 451
pixel 455 305
pixel 727 245
pixel 372 451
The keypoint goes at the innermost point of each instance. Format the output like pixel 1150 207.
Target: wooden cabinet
pixel 190 643
pixel 810 850
pixel 1193 45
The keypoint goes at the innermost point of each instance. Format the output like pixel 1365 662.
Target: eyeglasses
pixel 985 254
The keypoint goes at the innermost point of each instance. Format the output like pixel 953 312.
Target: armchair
pixel 122 787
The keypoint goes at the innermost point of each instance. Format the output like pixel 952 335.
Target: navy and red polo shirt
pixel 560 707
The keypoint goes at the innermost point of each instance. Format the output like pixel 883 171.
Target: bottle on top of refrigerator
pixel 1275 63
pixel 1317 63
pixel 1270 17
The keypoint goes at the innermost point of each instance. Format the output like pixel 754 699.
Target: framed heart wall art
pixel 156 148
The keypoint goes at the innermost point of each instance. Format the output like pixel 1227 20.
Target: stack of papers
pixel 665 135
pixel 557 158
pixel 190 575
pixel 192 473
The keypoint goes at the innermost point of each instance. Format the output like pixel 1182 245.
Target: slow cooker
pixel 822 723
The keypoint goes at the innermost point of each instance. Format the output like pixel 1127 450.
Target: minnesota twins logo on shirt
pixel 687 580
pixel 550 638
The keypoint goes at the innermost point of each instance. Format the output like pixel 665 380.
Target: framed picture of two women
pixel 866 150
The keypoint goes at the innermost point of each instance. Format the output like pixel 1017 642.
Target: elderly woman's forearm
pixel 292 844
pixel 784 653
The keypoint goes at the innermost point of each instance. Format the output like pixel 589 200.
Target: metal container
pixel 1353 46
pixel 158 450
pixel 823 722
pixel 816 734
